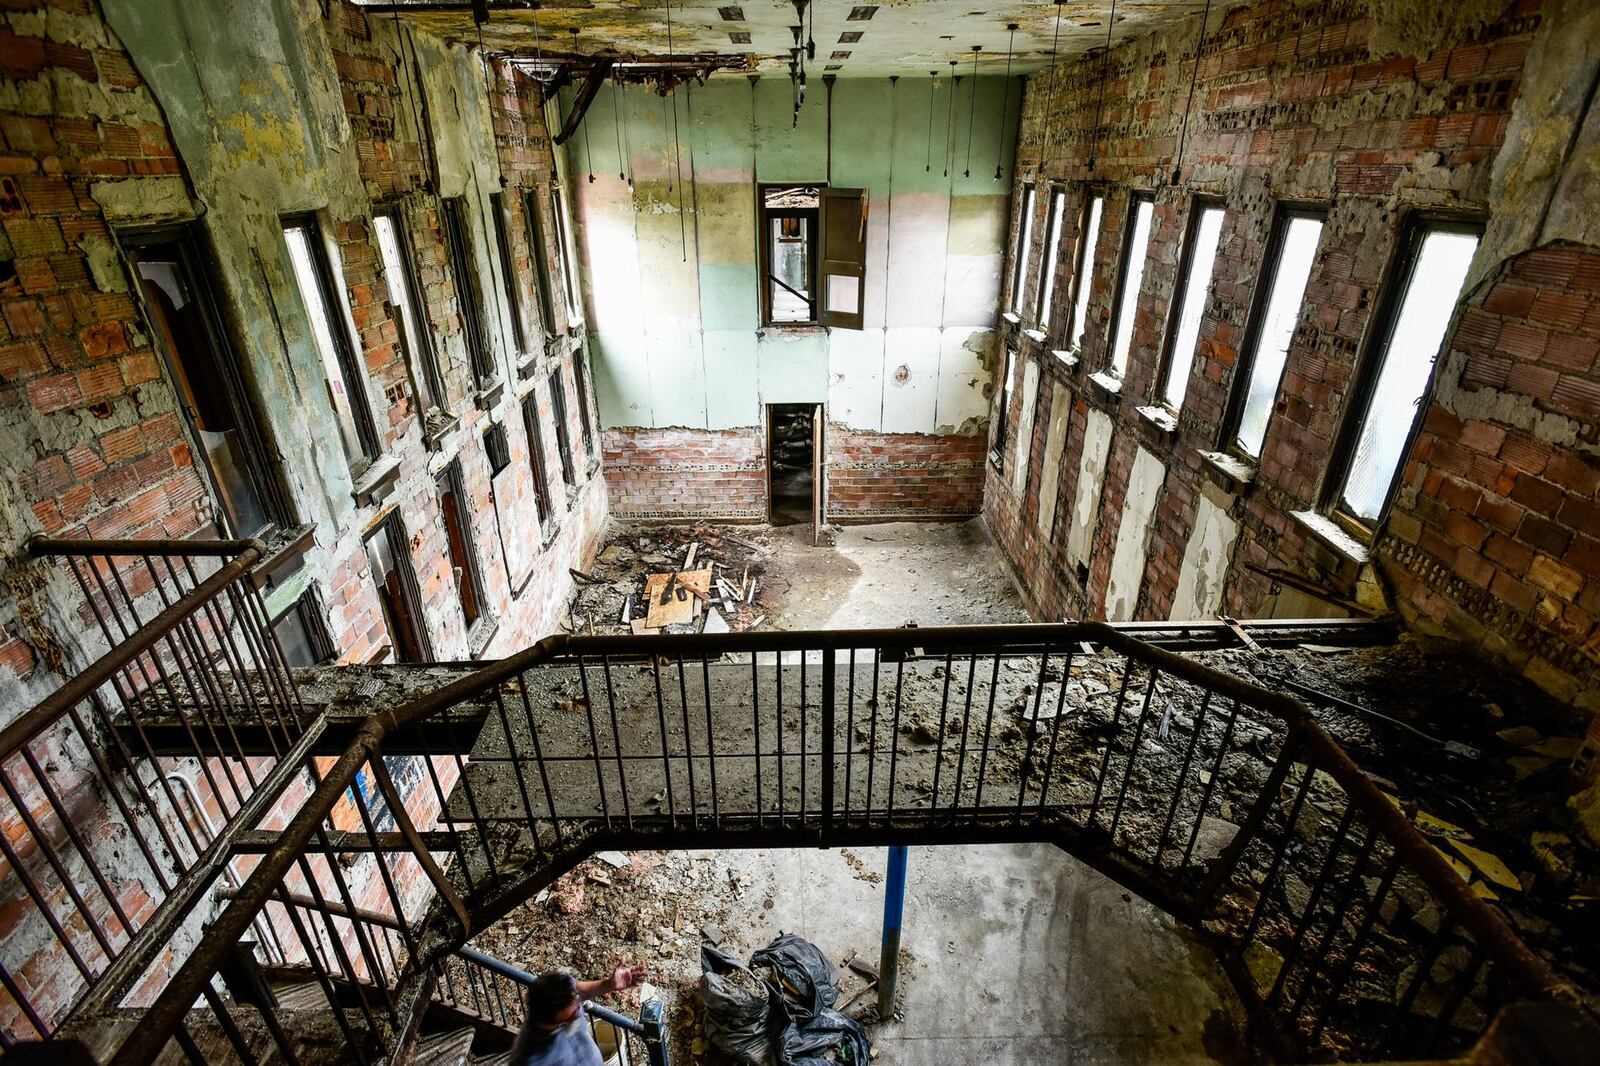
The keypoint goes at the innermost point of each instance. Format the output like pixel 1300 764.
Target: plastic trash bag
pixel 794 1024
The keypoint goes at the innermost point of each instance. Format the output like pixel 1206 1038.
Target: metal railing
pixel 1221 801
pixel 103 856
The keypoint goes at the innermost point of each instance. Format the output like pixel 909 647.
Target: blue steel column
pixel 894 906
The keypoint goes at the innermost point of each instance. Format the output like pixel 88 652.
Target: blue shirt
pixel 571 1045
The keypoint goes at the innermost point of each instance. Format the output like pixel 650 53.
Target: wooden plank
pixel 697 585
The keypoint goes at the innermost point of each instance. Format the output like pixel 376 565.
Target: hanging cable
pixel 677 148
pixel 972 109
pixel 616 122
pixel 950 118
pixel 1105 64
pixel 927 159
pixel 1050 93
pixel 1005 102
pixel 1194 76
pixel 588 151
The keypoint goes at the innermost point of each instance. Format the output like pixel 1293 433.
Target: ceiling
pixel 906 37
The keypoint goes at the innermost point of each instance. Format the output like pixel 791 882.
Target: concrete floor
pixel 1014 955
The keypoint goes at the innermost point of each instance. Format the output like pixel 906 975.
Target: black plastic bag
pixel 795 1023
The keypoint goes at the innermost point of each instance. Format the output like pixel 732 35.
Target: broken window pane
pixel 1195 286
pixel 1088 238
pixel 1049 258
pixel 1003 410
pixel 791 267
pixel 1134 255
pixel 400 274
pixel 508 271
pixel 541 478
pixel 1019 254
pixel 569 278
pixel 458 539
pixel 343 377
pixel 1437 270
pixel 396 588
pixel 1271 345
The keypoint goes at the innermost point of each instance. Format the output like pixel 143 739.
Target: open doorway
pixel 793 431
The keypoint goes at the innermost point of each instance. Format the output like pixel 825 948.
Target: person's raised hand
pixel 628 976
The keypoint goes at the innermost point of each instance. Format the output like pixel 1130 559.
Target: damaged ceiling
pixel 907 37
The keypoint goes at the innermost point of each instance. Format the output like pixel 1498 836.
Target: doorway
pixel 794 448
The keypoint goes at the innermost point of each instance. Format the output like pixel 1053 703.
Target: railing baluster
pixel 988 731
pixel 594 743
pixel 688 744
pixel 666 755
pixel 1133 751
pixel 894 736
pixel 616 739
pixel 1111 741
pixel 1183 775
pixel 1055 728
pixel 711 741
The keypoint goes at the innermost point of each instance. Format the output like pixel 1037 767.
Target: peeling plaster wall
pixel 681 359
pixel 1133 536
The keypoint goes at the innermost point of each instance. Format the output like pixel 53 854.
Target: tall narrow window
pixel 569 276
pixel 1135 249
pixel 558 415
pixel 541 262
pixel 496 449
pixel 208 379
pixel 1022 249
pixel 302 634
pixel 400 272
pixel 469 296
pixel 1083 270
pixel 396 586
pixel 1266 348
pixel 1002 414
pixel 789 224
pixel 1048 259
pixel 541 476
pixel 1395 387
pixel 347 382
pixel 458 539
pixel 586 412
pixel 1194 286
pixel 508 272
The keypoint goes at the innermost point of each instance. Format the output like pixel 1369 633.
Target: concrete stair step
pixel 453 1048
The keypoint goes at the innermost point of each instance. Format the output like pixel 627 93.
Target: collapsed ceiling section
pixel 660 41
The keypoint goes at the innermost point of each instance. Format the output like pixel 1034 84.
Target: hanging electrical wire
pixel 616 121
pixel 1005 102
pixel 927 160
pixel 950 118
pixel 677 148
pixel 1194 76
pixel 588 151
pixel 1100 99
pixel 1050 94
pixel 972 109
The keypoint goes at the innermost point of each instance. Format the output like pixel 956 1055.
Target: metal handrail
pixel 1305 741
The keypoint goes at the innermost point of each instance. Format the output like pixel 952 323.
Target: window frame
pixel 997 447
pixel 1199 205
pixel 508 273
pixel 428 357
pixel 351 367
pixel 558 417
pixel 1130 225
pixel 391 526
pixel 1049 257
pixel 469 291
pixel 566 253
pixel 813 218
pixel 495 432
pixel 308 608
pixel 190 242
pixel 1083 265
pixel 449 481
pixel 532 427
pixel 1284 213
pixel 1395 285
pixel 1022 249
pixel 586 407
pixel 539 253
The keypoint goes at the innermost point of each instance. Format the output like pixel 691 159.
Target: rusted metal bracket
pixel 586 94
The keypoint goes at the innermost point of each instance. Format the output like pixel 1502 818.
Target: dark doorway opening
pixel 791 462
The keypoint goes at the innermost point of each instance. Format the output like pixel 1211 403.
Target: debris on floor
pixel 779 1008
pixel 672 579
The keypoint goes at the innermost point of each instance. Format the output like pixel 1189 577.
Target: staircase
pixel 1345 934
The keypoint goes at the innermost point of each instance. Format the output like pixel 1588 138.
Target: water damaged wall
pixel 685 369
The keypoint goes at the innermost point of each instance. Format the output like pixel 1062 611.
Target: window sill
pixel 1037 336
pixel 437 428
pixel 377 481
pixel 479 636
pixel 1107 383
pixel 797 328
pixel 286 554
pixel 997 459
pixel 1161 419
pixel 489 395
pixel 528 369
pixel 1066 358
pixel 1333 536
pixel 1011 318
pixel 1231 473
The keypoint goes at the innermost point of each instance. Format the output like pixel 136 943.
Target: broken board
pixel 675 611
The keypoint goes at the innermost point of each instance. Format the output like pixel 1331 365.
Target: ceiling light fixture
pixel 927 161
pixel 972 108
pixel 950 118
pixel 588 152
pixel 1005 102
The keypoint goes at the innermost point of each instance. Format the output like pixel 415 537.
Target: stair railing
pixel 1221 801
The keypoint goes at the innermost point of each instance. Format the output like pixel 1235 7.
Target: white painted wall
pixel 1055 441
pixel 1022 445
pixel 1086 499
pixel 1133 536
pixel 1205 562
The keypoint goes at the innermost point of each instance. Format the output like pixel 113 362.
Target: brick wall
pixel 887 476
pixel 687 474
pixel 1291 102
